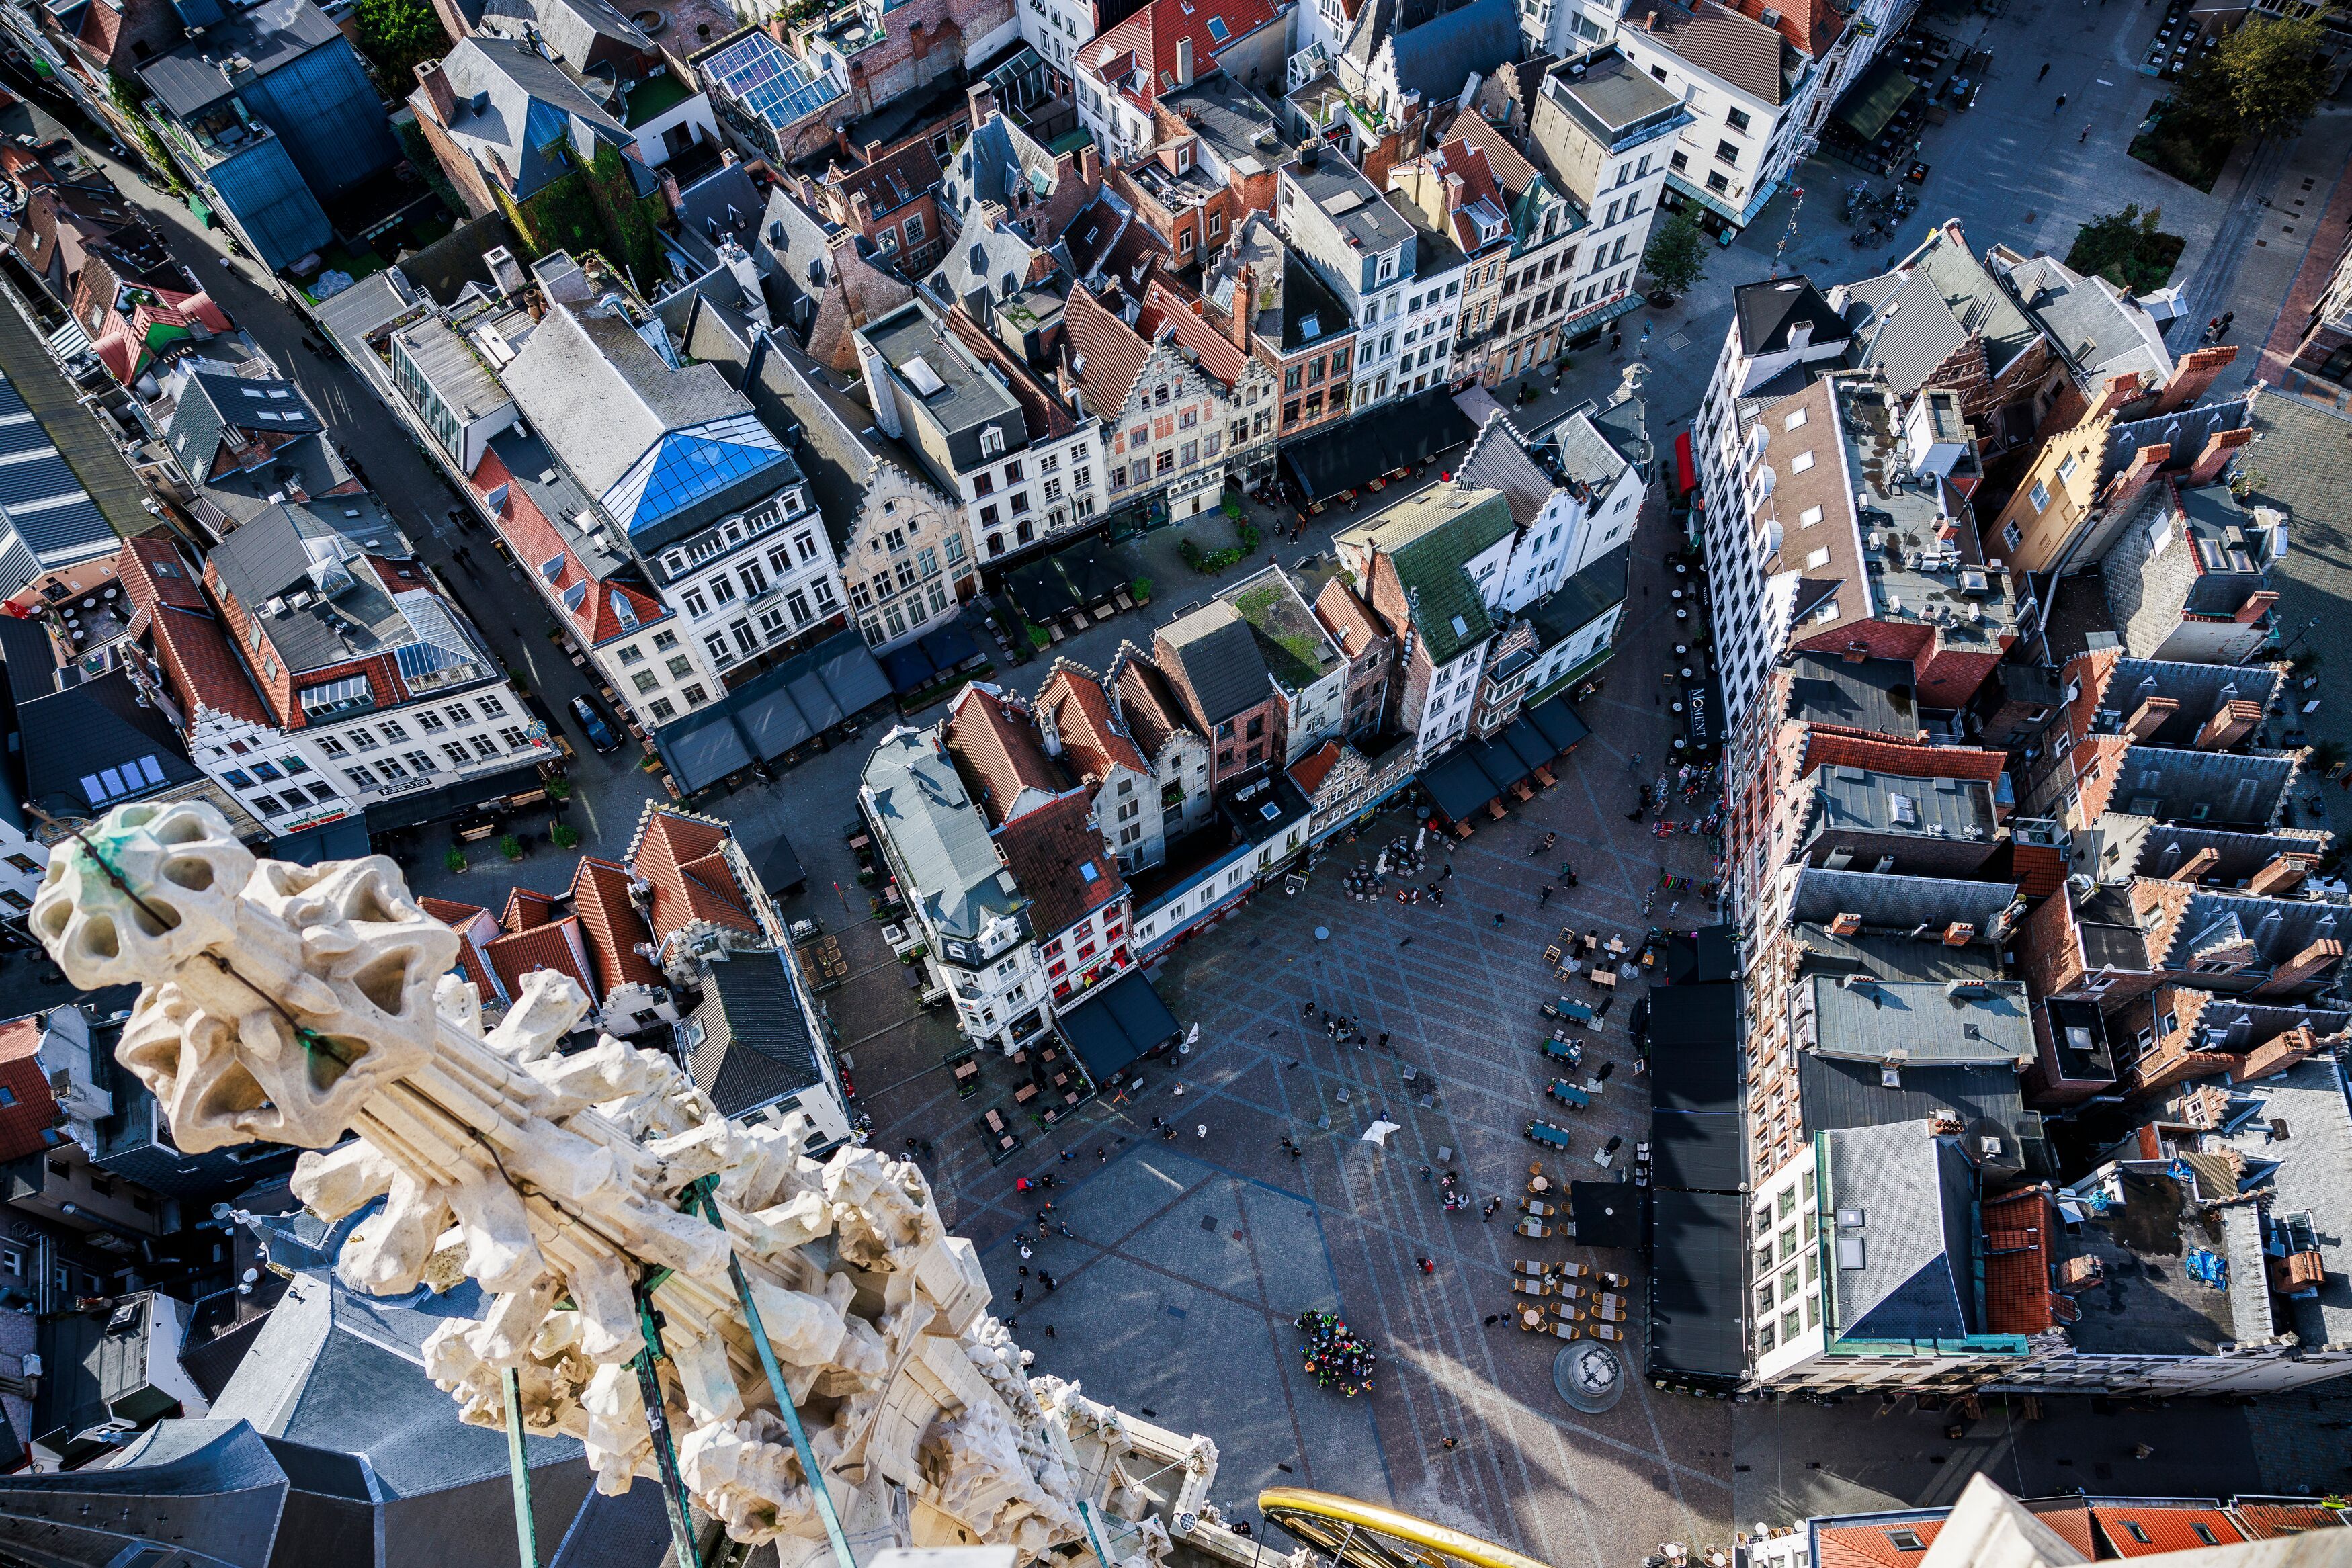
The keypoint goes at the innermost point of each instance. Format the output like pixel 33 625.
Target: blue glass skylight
pixel 757 73
pixel 690 465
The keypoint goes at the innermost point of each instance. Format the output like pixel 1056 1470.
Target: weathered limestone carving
pixel 313 1006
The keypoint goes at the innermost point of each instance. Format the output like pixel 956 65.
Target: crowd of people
pixel 1334 1356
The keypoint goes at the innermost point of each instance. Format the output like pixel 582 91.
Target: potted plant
pixel 456 861
pixel 559 789
pixel 562 835
pixel 1141 590
pixel 510 846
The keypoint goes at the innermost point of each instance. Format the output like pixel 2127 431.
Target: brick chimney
pixel 2305 966
pixel 2150 716
pixel 1381 157
pixel 1845 924
pixel 2278 877
pixel 2078 1273
pixel 1245 307
pixel 1959 934
pixel 2122 388
pixel 2281 1051
pixel 2257 605
pixel 2129 484
pixel 2196 866
pixel 983 100
pixel 2191 376
pixel 2231 722
pixel 1089 166
pixel 437 92
pixel 2218 448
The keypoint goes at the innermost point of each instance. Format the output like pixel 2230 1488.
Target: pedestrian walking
pixel 2062 97
pixel 1449 873
pixel 1100 1154
pixel 1201 1131
pixel 1384 1040
pixel 1634 763
pixel 1049 1331
pixel 1018 1292
pixel 1450 1444
pixel 1494 1318
pixel 1428 1265
pixel 1544 897
pixel 2086 128
pixel 1498 920
pixel 1424 1173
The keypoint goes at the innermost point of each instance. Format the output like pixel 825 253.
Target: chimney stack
pixel 2215 455
pixel 1959 934
pixel 982 97
pixel 437 92
pixel 1183 62
pixel 1845 924
pixel 2191 376
pixel 2231 722
pixel 1245 307
pixel 2127 484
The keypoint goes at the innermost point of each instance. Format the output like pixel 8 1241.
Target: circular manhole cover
pixel 1589 1376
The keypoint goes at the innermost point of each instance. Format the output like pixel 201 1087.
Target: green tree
pixel 399 36
pixel 2268 76
pixel 2127 248
pixel 1676 256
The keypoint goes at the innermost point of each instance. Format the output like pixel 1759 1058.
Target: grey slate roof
pixel 969 398
pixel 1916 1194
pixel 1766 310
pixel 840 450
pixel 1218 657
pixel 1898 902
pixel 46 508
pixel 2102 330
pixel 2200 689
pixel 530 106
pixel 89 728
pixel 282 550
pixel 1436 53
pixel 1593 592
pixel 920 803
pixel 1833 1093
pixel 1875 694
pixel 2309 1177
pixel 269 34
pixel 2217 787
pixel 599 396
pixel 747 1042
pixel 573 29
pixel 793 252
pixel 1859 799
pixel 1497 461
pixel 344 1371
pixel 1863 1018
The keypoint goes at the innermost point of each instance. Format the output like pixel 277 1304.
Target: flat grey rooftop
pixel 2146 1303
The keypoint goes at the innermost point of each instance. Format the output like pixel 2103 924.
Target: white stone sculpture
pixel 304 1005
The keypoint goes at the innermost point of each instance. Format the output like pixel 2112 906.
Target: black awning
pixel 1696 1295
pixel 1696 1151
pixel 1694 1048
pixel 909 668
pixel 1607 1213
pixel 1091 576
pixel 1526 743
pixel 1557 723
pixel 948 646
pixel 782 871
pixel 1039 592
pixel 1702 957
pixel 1352 454
pixel 1457 787
pixel 432 805
pixel 1870 102
pixel 1703 711
pixel 1497 762
pixel 1117 1024
pixel 772 724
pixel 344 838
pixel 704 755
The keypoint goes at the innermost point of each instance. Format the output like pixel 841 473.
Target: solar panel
pixel 756 73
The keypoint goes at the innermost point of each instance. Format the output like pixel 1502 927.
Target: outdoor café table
pixel 1535 1228
pixel 1604 979
pixel 1539 1184
pixel 1530 1318
pixel 1573 1271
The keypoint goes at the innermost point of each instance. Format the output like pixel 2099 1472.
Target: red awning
pixel 1685 473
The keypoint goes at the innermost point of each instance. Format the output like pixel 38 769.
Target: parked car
pixel 600 731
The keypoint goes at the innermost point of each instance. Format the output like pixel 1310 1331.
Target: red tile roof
pixel 527 908
pixel 1825 750
pixel 1469 178
pixel 1194 325
pixel 680 856
pixel 992 734
pixel 1105 355
pixel 2069 1519
pixel 1060 863
pixel 1511 170
pixel 1044 415
pixel 2017 1262
pixel 153 570
pixel 1145 702
pixel 557 946
pixel 535 540
pixel 600 893
pixel 1348 619
pixel 1872 1545
pixel 1133 56
pixel 895 179
pixel 2269 1521
pixel 23 1123
pixel 2163 1529
pixel 461 918
pixel 1813 26
pixel 1092 741
pixel 204 671
pixel 449 912
pixel 2040 868
pixel 1309 771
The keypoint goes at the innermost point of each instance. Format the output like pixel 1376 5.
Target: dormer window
pixel 991 440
